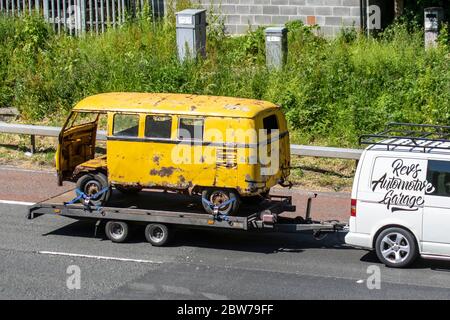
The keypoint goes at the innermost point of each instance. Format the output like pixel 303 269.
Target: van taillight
pixel 353 208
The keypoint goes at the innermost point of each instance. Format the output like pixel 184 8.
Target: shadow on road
pixel 420 263
pixel 236 240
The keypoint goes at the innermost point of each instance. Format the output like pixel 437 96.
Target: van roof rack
pixel 398 134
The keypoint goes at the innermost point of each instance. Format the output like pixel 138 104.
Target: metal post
pixel 276 47
pixel 108 20
pixel 45 8
pixel 113 3
pixel 191 33
pixel 83 16
pixel 58 9
pixel 33 144
pixel 91 16
pixel 433 19
pixel 102 16
pixel 64 15
pixel 96 16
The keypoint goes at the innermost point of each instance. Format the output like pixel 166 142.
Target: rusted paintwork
pixel 228 161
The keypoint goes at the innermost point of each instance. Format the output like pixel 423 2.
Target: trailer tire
pixel 158 234
pixel 117 231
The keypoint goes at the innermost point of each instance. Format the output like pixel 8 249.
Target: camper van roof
pixel 171 103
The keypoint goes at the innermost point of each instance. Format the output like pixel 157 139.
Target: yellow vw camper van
pixel 226 149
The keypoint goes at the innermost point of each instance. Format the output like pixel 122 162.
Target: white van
pixel 401 194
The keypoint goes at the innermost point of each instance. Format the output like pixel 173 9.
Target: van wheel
pixel 219 196
pixel 396 247
pixel 129 190
pixel 91 184
pixel 117 231
pixel 157 234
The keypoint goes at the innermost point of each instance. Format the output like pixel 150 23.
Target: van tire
pixel 117 231
pixel 158 234
pixel 396 247
pixel 210 194
pixel 92 183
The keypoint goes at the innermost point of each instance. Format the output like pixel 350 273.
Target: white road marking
pixel 213 296
pixel 21 203
pixel 11 168
pixel 177 290
pixel 97 257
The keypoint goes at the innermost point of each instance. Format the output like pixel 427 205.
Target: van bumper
pixel 360 240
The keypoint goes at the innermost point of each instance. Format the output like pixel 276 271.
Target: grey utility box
pixel 433 18
pixel 276 47
pixel 191 33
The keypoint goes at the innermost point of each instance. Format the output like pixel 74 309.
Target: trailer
pixel 163 212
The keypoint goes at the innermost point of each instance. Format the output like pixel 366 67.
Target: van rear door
pixel 76 143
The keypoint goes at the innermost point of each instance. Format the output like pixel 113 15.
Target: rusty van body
pixel 221 147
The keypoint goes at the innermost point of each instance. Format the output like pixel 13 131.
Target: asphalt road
pixel 35 256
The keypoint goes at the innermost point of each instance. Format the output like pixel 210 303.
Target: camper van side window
pixel 190 129
pixel 158 126
pixel 126 125
pixel 270 123
pixel 438 174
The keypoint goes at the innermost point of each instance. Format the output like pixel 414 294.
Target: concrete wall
pixel 330 15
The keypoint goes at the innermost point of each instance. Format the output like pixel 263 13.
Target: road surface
pixel 200 264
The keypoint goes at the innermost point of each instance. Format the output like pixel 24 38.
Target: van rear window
pixel 126 125
pixel 158 126
pixel 438 174
pixel 190 129
pixel 270 123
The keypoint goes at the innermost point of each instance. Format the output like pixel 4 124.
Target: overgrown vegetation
pixel 331 90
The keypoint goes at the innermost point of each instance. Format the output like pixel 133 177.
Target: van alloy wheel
pixel 395 247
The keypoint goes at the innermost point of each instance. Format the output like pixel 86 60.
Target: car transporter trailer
pixel 160 212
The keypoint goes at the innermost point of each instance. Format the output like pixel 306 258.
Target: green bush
pixel 331 90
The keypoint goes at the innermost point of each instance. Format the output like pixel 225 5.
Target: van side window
pixel 126 125
pixel 438 174
pixel 190 129
pixel 158 126
pixel 270 123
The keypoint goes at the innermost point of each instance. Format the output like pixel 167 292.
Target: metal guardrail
pixel 298 150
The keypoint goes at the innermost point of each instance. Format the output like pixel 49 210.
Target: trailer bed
pixel 174 209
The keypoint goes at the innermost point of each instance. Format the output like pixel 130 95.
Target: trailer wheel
pixel 117 231
pixel 157 234
pixel 396 247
